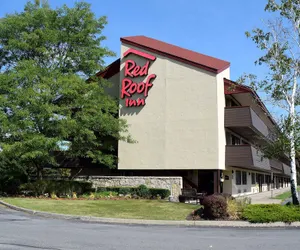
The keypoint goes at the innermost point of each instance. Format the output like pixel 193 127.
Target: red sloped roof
pixel 177 53
pixel 231 87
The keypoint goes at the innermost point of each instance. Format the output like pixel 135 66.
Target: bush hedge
pixel 140 191
pixel 214 207
pixel 266 213
pixel 58 187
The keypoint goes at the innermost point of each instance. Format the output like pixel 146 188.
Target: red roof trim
pixel 110 70
pixel 139 53
pixel 231 87
pixel 193 58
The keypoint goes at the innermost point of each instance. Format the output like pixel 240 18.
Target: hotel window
pixel 244 178
pixel 238 177
pixel 253 178
pixel 231 103
pixel 235 140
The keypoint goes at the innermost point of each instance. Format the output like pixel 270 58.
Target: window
pixel 235 140
pixel 253 181
pixel 238 177
pixel 231 103
pixel 244 178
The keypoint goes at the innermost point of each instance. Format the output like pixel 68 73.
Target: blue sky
pixel 213 27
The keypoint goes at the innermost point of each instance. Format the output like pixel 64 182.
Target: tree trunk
pixel 294 192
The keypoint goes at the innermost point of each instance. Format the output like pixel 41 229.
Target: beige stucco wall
pixel 182 124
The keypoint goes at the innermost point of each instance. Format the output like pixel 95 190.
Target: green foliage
pixel 125 190
pixel 46 56
pixel 235 207
pixel 141 191
pixel 271 213
pixel 215 207
pixel 279 42
pixel 163 193
pixel 12 175
pixel 59 187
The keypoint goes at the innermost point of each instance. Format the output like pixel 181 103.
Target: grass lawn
pixel 133 209
pixel 285 195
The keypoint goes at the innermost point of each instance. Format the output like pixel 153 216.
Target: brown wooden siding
pixel 276 164
pixel 246 156
pixel 237 117
pixel 286 170
pixel 244 117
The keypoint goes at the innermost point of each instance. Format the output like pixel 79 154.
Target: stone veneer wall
pixel 174 184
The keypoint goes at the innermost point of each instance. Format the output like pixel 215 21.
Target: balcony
pixel 245 122
pixel 286 170
pixel 246 156
pixel 276 166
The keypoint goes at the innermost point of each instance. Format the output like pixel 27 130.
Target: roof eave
pixel 197 65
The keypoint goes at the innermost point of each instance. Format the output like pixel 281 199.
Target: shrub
pixel 37 188
pixel 59 187
pixel 226 196
pixel 163 193
pixel 233 209
pixel 152 192
pixel 215 207
pixel 125 190
pixel 105 194
pixel 266 213
pixel 143 191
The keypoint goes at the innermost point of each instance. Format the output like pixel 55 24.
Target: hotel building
pixel 190 120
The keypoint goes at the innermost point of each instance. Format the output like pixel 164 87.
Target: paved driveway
pixel 22 231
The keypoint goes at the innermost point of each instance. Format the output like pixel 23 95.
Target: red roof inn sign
pixel 130 86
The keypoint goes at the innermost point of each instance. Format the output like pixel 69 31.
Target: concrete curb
pixel 224 224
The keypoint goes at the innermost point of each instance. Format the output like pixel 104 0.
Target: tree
pixel 280 42
pixel 49 113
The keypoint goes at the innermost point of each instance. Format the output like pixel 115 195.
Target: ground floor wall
pixel 174 184
pixel 235 181
pixel 244 182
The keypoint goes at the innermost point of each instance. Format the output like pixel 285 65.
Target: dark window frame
pixel 238 177
pixel 253 178
pixel 244 178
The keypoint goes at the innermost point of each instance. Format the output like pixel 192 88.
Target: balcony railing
pixel 246 156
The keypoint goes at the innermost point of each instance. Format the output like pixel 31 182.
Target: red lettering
pixel 144 69
pixel 125 85
pixel 133 88
pixel 148 84
pixel 129 87
pixel 129 66
pixel 133 70
pixel 134 103
pixel 130 103
pixel 140 87
pixel 136 70
pixel 140 102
